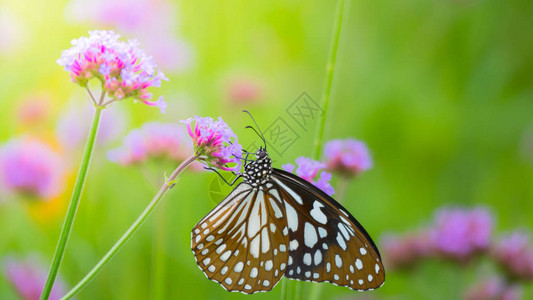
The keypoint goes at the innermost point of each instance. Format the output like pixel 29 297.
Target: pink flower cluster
pixel 31 167
pixel 28 277
pixel 214 143
pixel 308 169
pixel 152 141
pixel 124 69
pixel 493 289
pixel 459 233
pixel 348 156
pixel 456 234
pixel 405 251
pixel 514 254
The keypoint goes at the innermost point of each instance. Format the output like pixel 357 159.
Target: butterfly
pixel 276 224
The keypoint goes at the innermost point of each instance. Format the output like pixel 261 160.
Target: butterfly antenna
pixel 260 133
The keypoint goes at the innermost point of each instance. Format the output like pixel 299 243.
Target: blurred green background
pixel 441 91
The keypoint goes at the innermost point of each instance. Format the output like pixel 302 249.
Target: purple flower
pixel 215 143
pixel 404 251
pixel 152 141
pixel 515 255
pixel 308 169
pixel 493 289
pixel 28 278
pixel 459 233
pixel 31 167
pixel 123 68
pixel 348 156
pixel 74 122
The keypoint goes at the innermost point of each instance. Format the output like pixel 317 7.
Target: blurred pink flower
pixel 348 156
pixel 459 233
pixel 152 22
pixel 73 125
pixel 28 277
pixel 153 141
pixel 308 169
pixel 124 69
pixel 493 289
pixel 243 91
pixel 34 110
pixel 31 167
pixel 514 254
pixel 405 251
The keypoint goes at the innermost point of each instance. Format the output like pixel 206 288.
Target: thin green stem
pixel 330 70
pixel 73 205
pixel 316 289
pixel 169 183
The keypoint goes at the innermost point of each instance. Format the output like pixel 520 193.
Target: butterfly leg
pixel 218 173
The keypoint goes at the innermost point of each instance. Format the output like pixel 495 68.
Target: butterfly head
pixel 257 171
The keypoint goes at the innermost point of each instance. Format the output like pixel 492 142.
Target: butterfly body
pixel 276 224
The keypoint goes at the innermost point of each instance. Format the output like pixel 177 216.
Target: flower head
pixel 515 255
pixel 404 251
pixel 348 156
pixel 215 143
pixel 31 167
pixel 123 68
pixel 459 233
pixel 308 169
pixel 153 140
pixel 493 289
pixel 28 278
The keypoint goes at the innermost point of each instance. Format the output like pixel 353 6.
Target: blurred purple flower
pixel 123 68
pixel 515 255
pixel 31 167
pixel 73 125
pixel 154 23
pixel 404 251
pixel 493 289
pixel 459 233
pixel 348 156
pixel 308 169
pixel 215 143
pixel 28 278
pixel 153 141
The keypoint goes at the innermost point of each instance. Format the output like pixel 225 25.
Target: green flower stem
pixel 169 183
pixel 316 289
pixel 73 205
pixel 330 70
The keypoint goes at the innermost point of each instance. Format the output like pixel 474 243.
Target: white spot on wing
pixel 254 247
pixel 338 261
pixel 341 241
pixel 238 267
pixel 317 214
pixel 358 264
pixel 307 259
pixel 310 237
pixel 292 217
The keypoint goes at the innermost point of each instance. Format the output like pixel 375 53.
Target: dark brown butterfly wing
pixel 326 243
